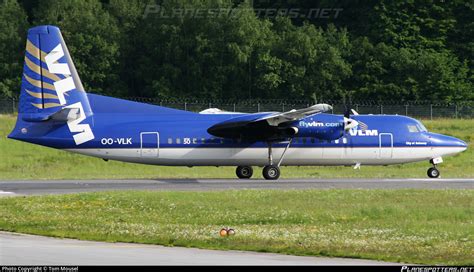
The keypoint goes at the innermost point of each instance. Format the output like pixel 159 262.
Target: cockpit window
pixel 421 127
pixel 413 128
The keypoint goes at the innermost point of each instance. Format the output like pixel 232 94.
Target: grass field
pixel 26 161
pixel 411 226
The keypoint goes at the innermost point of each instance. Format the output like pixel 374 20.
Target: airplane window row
pixel 196 141
pixel 222 141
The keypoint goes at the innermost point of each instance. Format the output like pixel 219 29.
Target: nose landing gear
pixel 433 172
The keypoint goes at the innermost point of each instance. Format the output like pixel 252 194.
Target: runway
pixel 21 249
pixel 42 187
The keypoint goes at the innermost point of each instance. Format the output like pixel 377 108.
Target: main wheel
pixel 244 172
pixel 271 172
pixel 433 172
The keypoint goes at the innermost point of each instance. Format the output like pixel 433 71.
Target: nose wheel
pixel 433 172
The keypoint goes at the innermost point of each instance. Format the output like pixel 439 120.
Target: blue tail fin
pixel 51 88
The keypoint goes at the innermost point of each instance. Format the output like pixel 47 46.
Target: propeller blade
pixel 347 113
pixel 363 126
pixel 350 123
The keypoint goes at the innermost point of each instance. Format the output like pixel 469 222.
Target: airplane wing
pixel 264 126
pixel 276 119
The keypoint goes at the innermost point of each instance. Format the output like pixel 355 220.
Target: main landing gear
pixel 270 171
pixel 244 172
pixel 433 172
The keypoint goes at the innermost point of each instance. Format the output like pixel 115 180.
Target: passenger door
pixel 149 144
pixel 385 145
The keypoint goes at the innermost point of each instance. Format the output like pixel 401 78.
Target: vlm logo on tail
pixel 84 131
pixel 66 84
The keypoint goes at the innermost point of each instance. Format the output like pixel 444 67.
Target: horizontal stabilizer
pixel 66 114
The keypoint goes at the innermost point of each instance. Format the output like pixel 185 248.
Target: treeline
pixel 236 49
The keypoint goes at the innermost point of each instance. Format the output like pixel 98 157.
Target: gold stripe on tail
pixel 34 67
pixel 37 83
pixel 45 95
pixel 34 51
pixel 46 105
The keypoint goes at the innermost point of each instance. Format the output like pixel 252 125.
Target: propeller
pixel 349 123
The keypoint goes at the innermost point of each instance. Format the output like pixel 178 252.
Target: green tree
pixel 13 29
pixel 92 36
pixel 201 54
pixel 302 61
pixel 128 15
pixel 373 50
pixel 383 72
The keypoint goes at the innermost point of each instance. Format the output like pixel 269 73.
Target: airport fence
pixel 417 109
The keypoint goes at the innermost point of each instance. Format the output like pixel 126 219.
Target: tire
pixel 244 172
pixel 271 172
pixel 433 172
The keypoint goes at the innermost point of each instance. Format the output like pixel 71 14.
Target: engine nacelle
pixel 328 129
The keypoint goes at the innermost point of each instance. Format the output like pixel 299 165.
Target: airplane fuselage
pixel 180 138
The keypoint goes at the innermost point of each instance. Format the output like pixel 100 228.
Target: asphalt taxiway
pixel 41 187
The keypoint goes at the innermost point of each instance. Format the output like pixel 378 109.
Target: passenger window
pixel 312 140
pixel 413 128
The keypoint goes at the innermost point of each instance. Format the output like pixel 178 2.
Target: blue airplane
pixel 55 111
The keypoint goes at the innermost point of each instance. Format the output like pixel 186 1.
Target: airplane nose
pixel 462 144
pixel 448 141
pixel 455 142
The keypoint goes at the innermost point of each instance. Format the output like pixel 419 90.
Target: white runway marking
pixel 3 193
